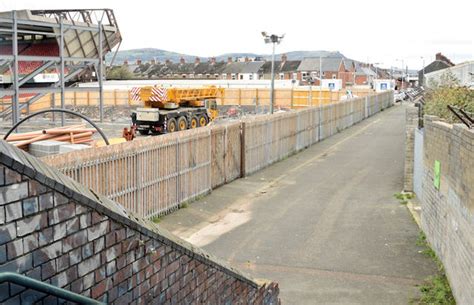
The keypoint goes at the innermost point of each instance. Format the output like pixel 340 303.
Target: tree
pixel 120 72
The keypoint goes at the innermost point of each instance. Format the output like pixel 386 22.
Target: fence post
pixel 352 111
pixel 242 149
pixel 291 99
pixel 256 97
pixel 366 114
pixel 226 147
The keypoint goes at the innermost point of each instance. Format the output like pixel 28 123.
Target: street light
pixel 423 80
pixel 274 39
pixel 403 74
pixel 376 68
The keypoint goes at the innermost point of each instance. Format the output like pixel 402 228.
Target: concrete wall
pixel 418 168
pixel 463 72
pixel 411 125
pixel 447 213
pixel 55 230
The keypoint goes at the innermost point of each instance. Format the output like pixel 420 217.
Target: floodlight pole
pixel 61 75
pixel 274 39
pixel 272 86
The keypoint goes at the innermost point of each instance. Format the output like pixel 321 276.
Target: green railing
pixel 64 294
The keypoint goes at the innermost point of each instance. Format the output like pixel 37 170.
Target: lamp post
pixel 376 69
pixel 403 74
pixel 423 80
pixel 273 39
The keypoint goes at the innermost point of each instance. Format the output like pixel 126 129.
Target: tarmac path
pixel 323 223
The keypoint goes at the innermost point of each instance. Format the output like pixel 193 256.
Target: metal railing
pixel 22 280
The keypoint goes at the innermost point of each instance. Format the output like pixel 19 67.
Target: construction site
pixel 89 169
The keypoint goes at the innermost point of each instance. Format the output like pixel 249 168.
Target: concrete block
pixel 45 148
pixel 72 147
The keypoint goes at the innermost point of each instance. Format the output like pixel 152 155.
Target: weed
pixel 156 219
pixel 435 289
pixel 404 197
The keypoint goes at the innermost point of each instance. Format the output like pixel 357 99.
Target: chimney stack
pixel 125 62
pixel 182 61
pixel 168 62
pixel 197 61
pixel 213 60
pixel 153 61
pixel 284 58
pixel 139 61
pixel 229 60
pixel 246 59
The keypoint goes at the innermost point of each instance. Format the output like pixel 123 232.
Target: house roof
pixel 280 67
pixel 243 67
pixel 368 71
pixel 186 68
pixel 209 68
pixel 327 64
pixel 348 64
pixel 435 66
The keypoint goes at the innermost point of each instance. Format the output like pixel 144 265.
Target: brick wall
pixel 447 214
pixel 411 125
pixel 55 230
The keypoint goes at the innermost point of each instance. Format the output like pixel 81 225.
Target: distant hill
pixel 148 54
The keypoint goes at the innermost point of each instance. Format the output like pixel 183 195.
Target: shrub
pixel 448 92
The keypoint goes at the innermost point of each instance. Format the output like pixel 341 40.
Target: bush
pixel 448 92
pixel 120 72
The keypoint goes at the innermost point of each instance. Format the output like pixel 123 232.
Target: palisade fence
pixel 155 175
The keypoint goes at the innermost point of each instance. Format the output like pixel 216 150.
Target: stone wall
pixel 55 230
pixel 447 213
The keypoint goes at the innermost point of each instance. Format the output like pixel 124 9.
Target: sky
pixel 381 32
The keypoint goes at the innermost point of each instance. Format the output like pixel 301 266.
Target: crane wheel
pixel 182 123
pixel 172 125
pixel 202 120
pixel 144 132
pixel 194 122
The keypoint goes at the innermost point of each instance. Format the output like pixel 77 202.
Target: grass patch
pixel 156 219
pixel 435 290
pixel 404 197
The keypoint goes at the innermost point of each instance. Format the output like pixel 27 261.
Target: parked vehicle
pixel 170 110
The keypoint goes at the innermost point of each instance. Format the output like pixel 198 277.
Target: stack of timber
pixel 74 134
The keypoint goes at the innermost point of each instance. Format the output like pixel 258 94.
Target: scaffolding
pixel 67 43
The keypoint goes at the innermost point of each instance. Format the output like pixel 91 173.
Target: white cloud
pixel 377 31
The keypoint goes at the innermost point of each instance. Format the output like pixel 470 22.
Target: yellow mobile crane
pixel 170 109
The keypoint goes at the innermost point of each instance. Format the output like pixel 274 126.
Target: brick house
pixel 440 62
pixel 331 67
pixel 241 70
